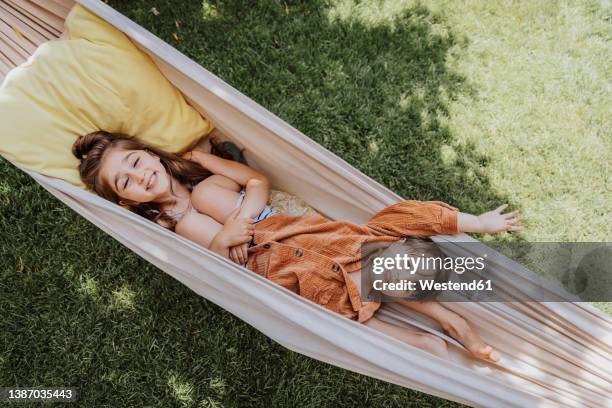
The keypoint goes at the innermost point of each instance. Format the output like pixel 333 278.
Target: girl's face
pixel 135 175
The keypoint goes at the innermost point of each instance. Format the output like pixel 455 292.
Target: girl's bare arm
pixel 491 221
pixel 257 186
pixel 207 232
pixel 202 230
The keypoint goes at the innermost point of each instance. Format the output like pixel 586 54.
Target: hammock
pixel 554 354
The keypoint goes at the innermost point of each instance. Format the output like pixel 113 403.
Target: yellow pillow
pixel 97 80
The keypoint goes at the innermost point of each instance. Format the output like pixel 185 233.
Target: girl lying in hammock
pixel 222 205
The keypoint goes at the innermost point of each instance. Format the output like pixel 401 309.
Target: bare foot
pixel 460 330
pixel 425 341
pixel 432 344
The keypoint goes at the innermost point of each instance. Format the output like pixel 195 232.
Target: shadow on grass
pixel 376 94
pixel 85 311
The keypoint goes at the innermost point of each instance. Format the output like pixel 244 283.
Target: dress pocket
pixel 331 293
pixel 322 297
pixel 259 263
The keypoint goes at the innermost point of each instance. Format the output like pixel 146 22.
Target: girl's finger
pixel 515 228
pixel 234 214
pixel 511 214
pixel 500 208
pixel 236 256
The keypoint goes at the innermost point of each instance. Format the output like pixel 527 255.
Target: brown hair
pixel 91 148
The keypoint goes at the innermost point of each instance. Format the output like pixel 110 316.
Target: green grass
pixel 475 103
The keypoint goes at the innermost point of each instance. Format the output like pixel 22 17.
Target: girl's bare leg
pixel 456 326
pixel 424 341
pixel 450 321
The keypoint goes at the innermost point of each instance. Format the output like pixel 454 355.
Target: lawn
pixel 474 103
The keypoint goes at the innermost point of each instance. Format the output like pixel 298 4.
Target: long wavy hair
pixel 91 148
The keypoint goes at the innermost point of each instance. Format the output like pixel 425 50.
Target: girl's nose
pixel 138 175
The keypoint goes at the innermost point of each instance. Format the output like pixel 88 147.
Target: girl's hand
pixel 495 221
pixel 239 253
pixel 237 231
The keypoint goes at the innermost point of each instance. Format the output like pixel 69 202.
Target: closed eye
pixel 136 162
pixel 127 179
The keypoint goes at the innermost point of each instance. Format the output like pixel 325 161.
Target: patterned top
pixel 280 202
pixel 265 213
pixel 289 204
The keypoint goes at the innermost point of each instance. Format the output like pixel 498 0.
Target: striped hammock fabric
pixel 554 354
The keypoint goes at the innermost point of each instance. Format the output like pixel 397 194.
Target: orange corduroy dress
pixel 312 255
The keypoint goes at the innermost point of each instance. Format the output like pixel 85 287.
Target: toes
pixel 486 352
pixel 485 349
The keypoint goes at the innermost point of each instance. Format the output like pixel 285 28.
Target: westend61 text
pixel 432 285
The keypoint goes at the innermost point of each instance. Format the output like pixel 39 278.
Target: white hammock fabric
pixel 554 354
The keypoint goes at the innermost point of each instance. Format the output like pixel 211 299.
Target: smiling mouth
pixel 151 180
